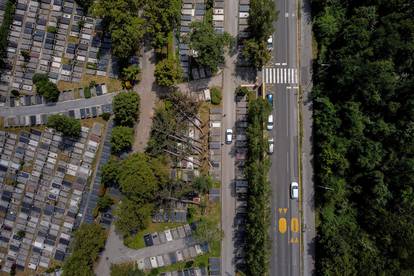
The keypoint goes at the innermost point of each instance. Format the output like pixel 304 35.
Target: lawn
pixel 113 85
pixel 137 241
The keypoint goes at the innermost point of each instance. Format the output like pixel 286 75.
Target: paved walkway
pixel 56 107
pixel 116 252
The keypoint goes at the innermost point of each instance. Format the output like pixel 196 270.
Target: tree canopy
pixel 127 29
pixel 68 126
pixel 139 178
pixel 208 45
pixel 121 139
pixel 363 138
pixel 45 87
pixel 261 18
pixel 126 108
pixel 88 241
pixel 168 72
pixel 162 17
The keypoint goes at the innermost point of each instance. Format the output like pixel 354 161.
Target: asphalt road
pixel 57 107
pixel 228 202
pixel 283 84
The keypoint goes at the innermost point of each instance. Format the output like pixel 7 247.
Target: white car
pixel 271 143
pixel 229 136
pixel 270 122
pixel 294 190
pixel 270 43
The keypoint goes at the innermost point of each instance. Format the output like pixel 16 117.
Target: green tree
pixel 131 72
pixel 126 108
pixel 121 139
pixel 67 125
pixel 85 4
pixel 132 217
pixel 207 231
pixel 256 53
pixel 161 18
pixel 261 18
pixel 168 72
pixel 104 202
pixel 89 240
pixel 45 87
pixel 110 172
pixel 203 183
pixel 125 26
pixel 208 45
pixel 137 184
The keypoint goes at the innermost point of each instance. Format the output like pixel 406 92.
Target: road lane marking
pixel 282 225
pixel 287 14
pixel 277 63
pixel 284 63
pixel 279 75
pixel 274 74
pixel 284 75
pixel 294 240
pixel 284 210
pixel 294 225
pixel 288 75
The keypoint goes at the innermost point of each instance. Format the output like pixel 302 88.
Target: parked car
pixel 294 190
pixel 229 136
pixel 271 143
pixel 270 122
pixel 269 98
pixel 270 43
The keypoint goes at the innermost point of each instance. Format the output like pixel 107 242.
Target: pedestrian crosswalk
pixel 280 75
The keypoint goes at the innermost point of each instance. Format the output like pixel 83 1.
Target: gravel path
pixel 146 90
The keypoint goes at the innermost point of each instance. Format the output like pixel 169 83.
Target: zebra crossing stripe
pixel 280 75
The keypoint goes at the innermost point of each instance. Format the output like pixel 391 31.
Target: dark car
pixel 269 98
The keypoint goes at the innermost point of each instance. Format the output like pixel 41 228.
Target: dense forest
pixel 364 136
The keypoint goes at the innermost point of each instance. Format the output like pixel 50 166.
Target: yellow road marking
pixel 284 210
pixel 282 225
pixel 294 240
pixel 294 225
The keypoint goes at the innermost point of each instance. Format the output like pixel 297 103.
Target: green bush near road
pixel 258 207
pixel 45 87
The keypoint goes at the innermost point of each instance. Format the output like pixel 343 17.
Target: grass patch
pixel 170 45
pixel 73 40
pixel 137 241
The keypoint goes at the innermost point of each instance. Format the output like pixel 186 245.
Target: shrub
pixel 215 96
pixel 51 29
pixel 106 116
pixel 87 92
pixel 45 87
pixel 15 93
pixel 242 91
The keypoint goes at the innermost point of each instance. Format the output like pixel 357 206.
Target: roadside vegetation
pixel 126 108
pixel 262 16
pixel 363 137
pixel 258 206
pixel 89 240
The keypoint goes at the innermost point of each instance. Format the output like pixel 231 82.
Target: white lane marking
pixel 277 63
pixel 271 75
pixel 296 76
pixel 284 63
pixel 267 75
pixel 274 75
pixel 287 14
pixel 284 75
pixel 288 76
pixel 278 75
